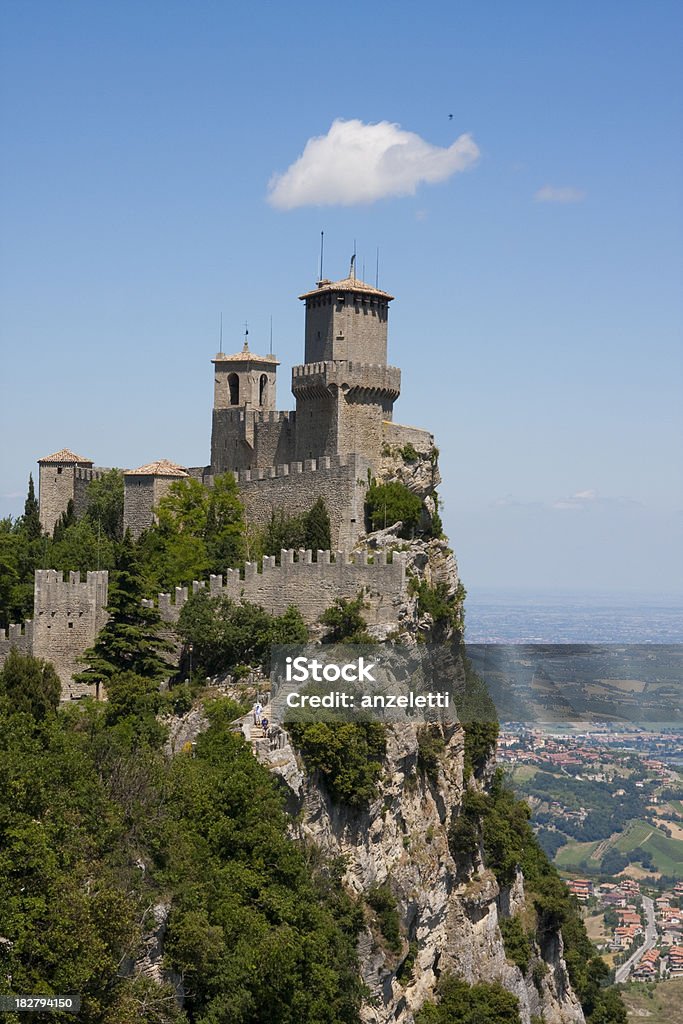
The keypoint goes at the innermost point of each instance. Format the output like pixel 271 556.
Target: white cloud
pixel 563 194
pixel 591 499
pixel 360 163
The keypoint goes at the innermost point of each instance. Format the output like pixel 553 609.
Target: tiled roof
pixel 162 467
pixel 349 284
pixel 66 455
pixel 245 354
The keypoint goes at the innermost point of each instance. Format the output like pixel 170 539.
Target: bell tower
pixel 244 380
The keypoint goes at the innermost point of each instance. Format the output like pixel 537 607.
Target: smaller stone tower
pixel 246 429
pixel 244 381
pixel 144 488
pixel 57 484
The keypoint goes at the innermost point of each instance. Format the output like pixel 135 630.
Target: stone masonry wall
pixel 68 615
pixel 244 439
pixel 138 504
pixel 311 586
pixel 16 636
pixel 397 434
pixel 56 491
pixel 341 481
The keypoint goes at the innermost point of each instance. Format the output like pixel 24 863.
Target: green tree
pixel 348 756
pixel 386 504
pixel 81 546
pixel 130 641
pixel 317 529
pixel 345 622
pixel 32 512
pixel 104 509
pixel 225 634
pixel 460 1003
pixel 30 684
pixel 66 520
pixel 224 528
pixel 311 531
pixel 199 530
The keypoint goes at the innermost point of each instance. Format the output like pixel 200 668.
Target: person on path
pixel 264 725
pixel 258 708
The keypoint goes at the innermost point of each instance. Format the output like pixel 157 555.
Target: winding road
pixel 622 973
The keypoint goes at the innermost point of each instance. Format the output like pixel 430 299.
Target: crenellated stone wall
pixel 340 480
pixel 17 635
pixel 68 615
pixel 311 586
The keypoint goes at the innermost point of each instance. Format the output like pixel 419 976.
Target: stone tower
pixel 244 381
pixel 57 484
pixel 246 429
pixel 345 391
pixel 143 489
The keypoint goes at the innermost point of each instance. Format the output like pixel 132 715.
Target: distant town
pixel 607 806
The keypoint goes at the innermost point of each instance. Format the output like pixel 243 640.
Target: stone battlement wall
pixel 293 469
pixel 311 586
pixel 68 615
pixel 373 376
pixel 398 434
pixel 16 635
pixel 242 439
pixel 340 480
pixel 268 416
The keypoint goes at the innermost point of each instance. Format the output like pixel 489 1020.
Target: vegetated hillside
pixel 112 851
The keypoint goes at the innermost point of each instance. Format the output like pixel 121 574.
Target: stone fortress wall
pixel 69 612
pixel 311 586
pixel 330 448
pixel 339 480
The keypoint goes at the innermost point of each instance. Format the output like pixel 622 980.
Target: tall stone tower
pixel 345 390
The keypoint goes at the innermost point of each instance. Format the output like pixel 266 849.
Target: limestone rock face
pixel 401 839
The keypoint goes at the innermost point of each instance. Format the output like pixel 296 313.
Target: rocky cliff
pixel 449 912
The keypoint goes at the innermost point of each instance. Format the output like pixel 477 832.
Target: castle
pixel 329 447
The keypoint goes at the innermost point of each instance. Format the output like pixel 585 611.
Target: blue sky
pixel 539 339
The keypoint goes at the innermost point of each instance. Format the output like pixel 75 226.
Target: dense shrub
pixel 430 749
pixel 345 622
pixel 348 756
pixel 460 1003
pixel 518 948
pixel 383 902
pixel 386 504
pixel 225 634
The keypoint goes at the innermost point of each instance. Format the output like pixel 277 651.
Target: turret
pixel 346 320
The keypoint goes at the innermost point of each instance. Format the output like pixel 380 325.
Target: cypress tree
pixel 318 535
pixel 31 512
pixel 130 641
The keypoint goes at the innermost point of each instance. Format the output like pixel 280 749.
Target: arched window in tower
pixel 263 384
pixel 234 385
